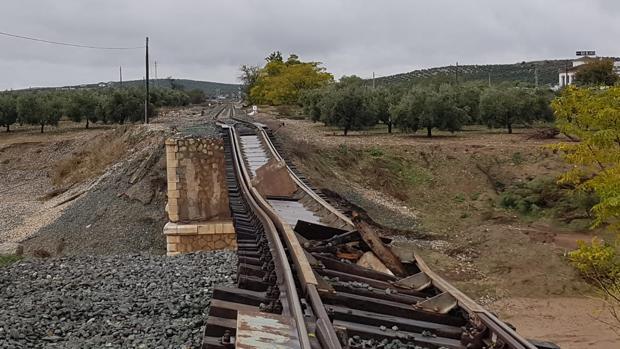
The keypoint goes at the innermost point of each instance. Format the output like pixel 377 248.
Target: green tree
pixel 425 108
pixel 54 107
pixel 30 108
pixel 591 116
pixel 380 106
pixel 596 73
pixel 347 108
pixel 81 105
pixel 468 98
pixel 504 107
pixel 196 96
pixel 447 113
pixel 249 76
pixel 40 109
pixel 411 111
pixel 275 56
pixel 8 111
pixel 280 82
pixel 310 101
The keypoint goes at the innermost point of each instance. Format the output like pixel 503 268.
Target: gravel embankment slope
pixel 132 301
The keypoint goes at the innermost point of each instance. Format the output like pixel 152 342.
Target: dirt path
pixel 571 323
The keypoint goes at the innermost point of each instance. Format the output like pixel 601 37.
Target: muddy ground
pixel 443 204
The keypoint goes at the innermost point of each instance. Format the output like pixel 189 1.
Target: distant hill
pixel 208 87
pixel 517 72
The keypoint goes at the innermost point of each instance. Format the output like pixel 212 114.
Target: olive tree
pixel 81 105
pixel 8 111
pixel 509 106
pixel 425 108
pixel 347 107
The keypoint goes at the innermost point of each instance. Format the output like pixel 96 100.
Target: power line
pixel 68 44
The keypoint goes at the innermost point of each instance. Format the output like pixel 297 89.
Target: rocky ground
pixel 94 200
pixel 122 212
pixel 102 191
pixel 132 301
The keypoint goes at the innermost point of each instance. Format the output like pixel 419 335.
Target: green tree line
pixel 107 106
pixel 351 104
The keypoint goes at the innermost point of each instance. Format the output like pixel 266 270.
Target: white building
pixel 567 75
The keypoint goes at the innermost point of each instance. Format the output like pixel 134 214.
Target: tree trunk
pixel 8 128
pixel 428 132
pixel 509 125
pixel 42 125
pixel 87 123
pixel 390 127
pixel 346 130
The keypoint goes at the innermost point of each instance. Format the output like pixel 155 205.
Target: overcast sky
pixel 209 40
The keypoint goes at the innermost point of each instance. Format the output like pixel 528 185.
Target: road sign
pixel 586 53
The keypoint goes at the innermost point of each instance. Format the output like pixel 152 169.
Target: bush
pixel 597 261
pixel 544 195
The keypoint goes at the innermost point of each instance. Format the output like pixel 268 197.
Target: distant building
pixel 568 74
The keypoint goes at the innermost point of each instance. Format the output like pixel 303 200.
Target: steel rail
pixel 262 209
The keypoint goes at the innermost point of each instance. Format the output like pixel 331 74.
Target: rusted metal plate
pixel 441 303
pixel 415 282
pixel 263 330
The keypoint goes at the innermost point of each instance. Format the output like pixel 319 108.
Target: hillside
pixel 517 72
pixel 208 87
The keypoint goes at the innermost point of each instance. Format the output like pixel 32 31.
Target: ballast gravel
pixel 132 301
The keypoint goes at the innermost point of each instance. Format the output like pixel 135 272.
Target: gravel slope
pixel 131 301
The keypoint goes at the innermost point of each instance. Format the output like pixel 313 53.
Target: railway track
pixel 311 277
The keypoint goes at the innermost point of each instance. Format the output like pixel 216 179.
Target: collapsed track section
pixel 349 289
pixel 265 282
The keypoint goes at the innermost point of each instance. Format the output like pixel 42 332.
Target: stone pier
pixel 198 211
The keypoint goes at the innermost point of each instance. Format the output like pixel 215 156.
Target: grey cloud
pixel 210 39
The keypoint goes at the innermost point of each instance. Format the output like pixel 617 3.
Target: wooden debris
pixel 383 252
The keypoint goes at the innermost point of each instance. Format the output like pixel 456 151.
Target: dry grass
pixel 91 161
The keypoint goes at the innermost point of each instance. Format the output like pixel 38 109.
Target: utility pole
pixel 373 80
pixel 489 79
pixel 536 76
pixel 120 75
pixel 456 73
pixel 146 98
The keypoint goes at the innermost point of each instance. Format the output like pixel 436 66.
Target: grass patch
pixel 459 198
pixel 517 158
pixel 379 169
pixel 543 197
pixel 7 260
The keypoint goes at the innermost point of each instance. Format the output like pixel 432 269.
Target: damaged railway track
pixel 311 277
